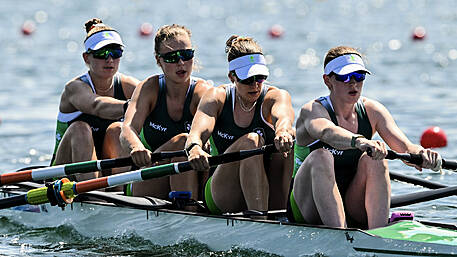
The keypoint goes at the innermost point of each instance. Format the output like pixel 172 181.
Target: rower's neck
pixel 101 84
pixel 343 109
pixel 176 90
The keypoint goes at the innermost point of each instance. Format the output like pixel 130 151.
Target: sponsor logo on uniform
pixel 224 135
pixel 260 131
pixel 157 127
pixel 95 129
pixel 187 126
pixel 298 161
pixel 334 151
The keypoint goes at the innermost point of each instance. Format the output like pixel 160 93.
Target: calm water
pixel 414 79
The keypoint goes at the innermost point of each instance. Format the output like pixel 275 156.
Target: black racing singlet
pixel 98 124
pixel 345 161
pixel 158 127
pixel 226 132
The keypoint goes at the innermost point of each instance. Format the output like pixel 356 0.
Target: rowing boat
pixel 106 214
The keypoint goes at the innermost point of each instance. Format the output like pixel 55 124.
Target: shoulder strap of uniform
pixel 162 87
pixel 363 120
pixel 190 92
pixel 118 90
pixel 323 100
pixel 86 79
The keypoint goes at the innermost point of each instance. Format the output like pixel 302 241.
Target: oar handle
pixel 230 157
pixel 417 159
pixel 167 155
pixel 114 163
pixel 409 157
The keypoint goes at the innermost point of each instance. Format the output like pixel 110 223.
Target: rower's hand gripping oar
pixel 418 197
pixel 80 167
pixel 62 191
pixel 416 159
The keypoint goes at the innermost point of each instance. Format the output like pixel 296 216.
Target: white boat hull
pixel 167 227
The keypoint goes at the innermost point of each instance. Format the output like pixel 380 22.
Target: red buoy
pixel 146 29
pixel 28 27
pixel 276 31
pixel 433 137
pixel 419 33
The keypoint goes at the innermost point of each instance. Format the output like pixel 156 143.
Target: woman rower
pixel 161 112
pixel 92 102
pixel 334 180
pixel 244 115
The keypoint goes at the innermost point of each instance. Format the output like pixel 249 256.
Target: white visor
pixel 101 39
pixel 249 65
pixel 345 64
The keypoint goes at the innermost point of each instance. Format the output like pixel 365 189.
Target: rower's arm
pixel 139 107
pixel 389 131
pixel 204 120
pixel 81 97
pixel 397 140
pixel 282 116
pixel 315 121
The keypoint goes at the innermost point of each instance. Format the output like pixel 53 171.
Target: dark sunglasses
pixel 104 53
pixel 358 76
pixel 252 79
pixel 175 56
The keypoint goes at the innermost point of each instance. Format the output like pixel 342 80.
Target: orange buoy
pixel 276 31
pixel 146 29
pixel 433 137
pixel 28 27
pixel 419 33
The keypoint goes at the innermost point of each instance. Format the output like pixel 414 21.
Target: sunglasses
pixel 252 79
pixel 104 53
pixel 175 56
pixel 347 77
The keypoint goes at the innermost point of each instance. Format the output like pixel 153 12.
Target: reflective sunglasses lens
pixel 256 78
pixel 173 57
pixel 186 55
pixel 359 76
pixel 105 53
pixel 347 77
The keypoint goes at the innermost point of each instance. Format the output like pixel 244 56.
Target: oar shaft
pixel 13 201
pixel 129 177
pixel 415 180
pixel 423 196
pixel 163 170
pixel 80 167
pixel 70 189
pixel 63 170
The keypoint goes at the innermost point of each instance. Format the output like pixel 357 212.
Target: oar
pixel 62 190
pixel 80 167
pixel 439 190
pixel 423 196
pixel 416 181
pixel 417 159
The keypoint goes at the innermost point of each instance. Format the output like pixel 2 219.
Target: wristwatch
pixel 190 148
pixel 355 138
